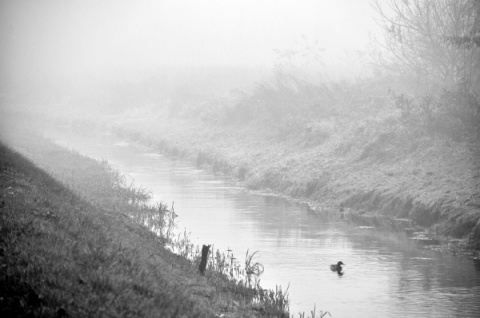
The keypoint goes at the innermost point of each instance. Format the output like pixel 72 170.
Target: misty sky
pixel 58 37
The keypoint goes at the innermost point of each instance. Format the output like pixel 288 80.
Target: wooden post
pixel 203 263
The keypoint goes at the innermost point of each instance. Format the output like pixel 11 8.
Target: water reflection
pixel 387 274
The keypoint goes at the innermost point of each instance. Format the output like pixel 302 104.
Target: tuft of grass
pixel 321 314
pixel 246 278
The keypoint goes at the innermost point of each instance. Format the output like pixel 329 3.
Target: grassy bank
pixel 433 183
pixel 75 245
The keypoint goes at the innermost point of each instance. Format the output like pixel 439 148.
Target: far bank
pixel 435 183
pixel 352 164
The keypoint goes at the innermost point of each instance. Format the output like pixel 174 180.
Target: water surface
pixel 386 274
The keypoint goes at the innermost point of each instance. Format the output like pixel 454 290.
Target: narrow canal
pixel 386 274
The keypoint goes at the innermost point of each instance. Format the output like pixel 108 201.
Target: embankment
pixel 70 246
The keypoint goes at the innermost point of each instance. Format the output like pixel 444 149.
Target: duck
pixel 337 267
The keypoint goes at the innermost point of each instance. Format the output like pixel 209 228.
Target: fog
pixel 278 95
pixel 56 38
pixel 118 54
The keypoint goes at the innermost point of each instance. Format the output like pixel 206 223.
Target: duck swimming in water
pixel 337 267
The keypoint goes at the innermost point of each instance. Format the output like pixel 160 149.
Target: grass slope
pixel 73 248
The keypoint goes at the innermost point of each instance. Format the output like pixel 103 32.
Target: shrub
pixel 453 113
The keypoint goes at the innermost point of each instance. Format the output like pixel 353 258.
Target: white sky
pixel 70 36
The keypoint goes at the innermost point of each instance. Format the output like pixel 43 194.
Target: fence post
pixel 203 263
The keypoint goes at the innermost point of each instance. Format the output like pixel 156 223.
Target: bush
pixel 453 113
pixel 284 94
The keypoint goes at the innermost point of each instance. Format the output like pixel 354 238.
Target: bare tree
pixel 418 34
